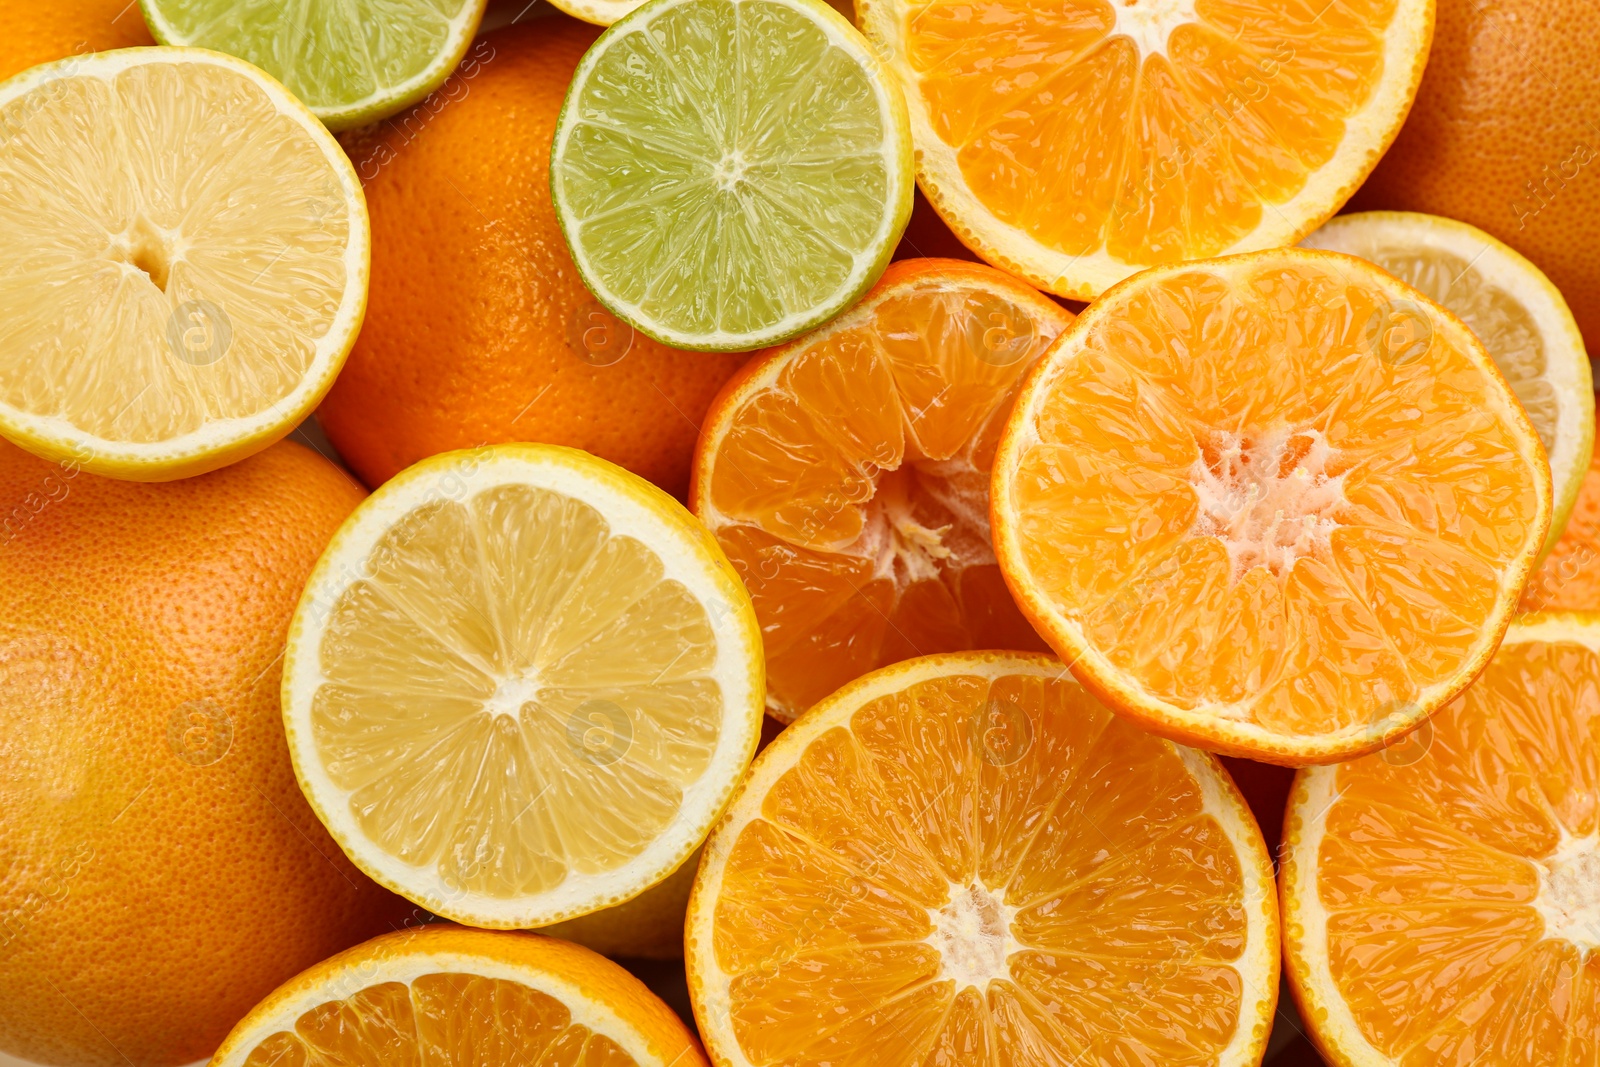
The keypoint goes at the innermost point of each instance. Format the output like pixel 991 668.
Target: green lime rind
pixel 729 174
pixel 351 62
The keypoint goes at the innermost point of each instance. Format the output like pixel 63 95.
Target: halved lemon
pixel 846 474
pixel 965 859
pixel 1441 898
pixel 1280 505
pixel 521 685
pixel 1516 312
pixel 186 261
pixel 351 61
pixel 449 997
pixel 1076 143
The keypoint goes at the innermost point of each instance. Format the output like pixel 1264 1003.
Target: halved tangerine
pixel 846 476
pixel 1442 898
pixel 1280 505
pixel 966 859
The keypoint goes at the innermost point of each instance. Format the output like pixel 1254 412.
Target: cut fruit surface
pixel 1569 577
pixel 731 173
pixel 1280 505
pixel 1519 316
pixel 965 859
pixel 351 61
pixel 187 267
pixel 846 475
pixel 521 685
pixel 1078 143
pixel 449 997
pixel 1441 898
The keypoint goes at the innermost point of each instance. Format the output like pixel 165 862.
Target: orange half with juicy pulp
pixel 1078 142
pixel 846 476
pixel 1280 505
pixel 966 859
pixel 1441 898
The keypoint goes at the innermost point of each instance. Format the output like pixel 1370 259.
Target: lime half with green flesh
pixel 350 61
pixel 731 173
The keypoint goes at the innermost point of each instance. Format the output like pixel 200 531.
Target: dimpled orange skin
pixel 39 32
pixel 477 316
pixel 147 901
pixel 1509 99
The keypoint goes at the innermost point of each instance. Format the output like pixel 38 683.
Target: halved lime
pixel 1514 309
pixel 350 61
pixel 731 173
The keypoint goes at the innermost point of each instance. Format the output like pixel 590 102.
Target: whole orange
pixel 478 329
pixel 40 32
pixel 159 870
pixel 1505 134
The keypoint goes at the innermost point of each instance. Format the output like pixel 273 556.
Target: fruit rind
pixel 1507 269
pixel 600 995
pixel 223 441
pixel 1331 1026
pixel 1213 732
pixel 1085 277
pixel 707 987
pixel 632 506
pixel 892 106
pixel 378 105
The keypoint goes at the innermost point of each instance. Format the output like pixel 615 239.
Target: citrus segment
pixel 351 61
pixel 1441 897
pixel 965 858
pixel 521 684
pixel 1569 577
pixel 1513 309
pixel 1078 143
pixel 730 173
pixel 190 261
pixel 1279 504
pixel 461 998
pixel 846 476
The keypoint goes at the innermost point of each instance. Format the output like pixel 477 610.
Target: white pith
pixel 706 576
pixel 586 1010
pixel 975 953
pixel 1569 891
pixel 1148 23
pixel 972 934
pixel 1084 277
pixel 59 438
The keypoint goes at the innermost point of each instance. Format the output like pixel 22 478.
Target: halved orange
pixel 446 996
pixel 1441 898
pixel 965 859
pixel 1279 505
pixel 1078 142
pixel 846 476
pixel 1569 577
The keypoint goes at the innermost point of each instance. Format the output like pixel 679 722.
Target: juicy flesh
pixel 758 173
pixel 852 493
pixel 1250 511
pixel 170 266
pixel 513 693
pixel 330 55
pixel 1569 578
pixel 1463 889
pixel 440 1020
pixel 922 890
pixel 1157 130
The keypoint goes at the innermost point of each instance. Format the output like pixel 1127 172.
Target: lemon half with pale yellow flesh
pixel 186 261
pixel 448 997
pixel 351 61
pixel 521 685
pixel 1517 313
